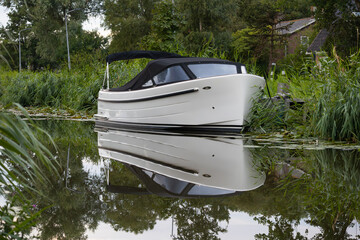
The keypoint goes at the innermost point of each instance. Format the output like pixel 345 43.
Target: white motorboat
pixel 179 92
pixel 207 166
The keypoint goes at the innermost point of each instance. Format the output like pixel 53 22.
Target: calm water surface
pixel 278 189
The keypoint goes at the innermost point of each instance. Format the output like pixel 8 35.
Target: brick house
pixel 296 33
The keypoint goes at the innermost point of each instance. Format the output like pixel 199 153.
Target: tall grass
pixel 337 111
pixel 59 90
pixel 331 91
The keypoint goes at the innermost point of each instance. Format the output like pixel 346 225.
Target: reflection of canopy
pixel 139 54
pixel 162 61
pixel 167 187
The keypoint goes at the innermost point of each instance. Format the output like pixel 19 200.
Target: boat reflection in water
pixel 181 166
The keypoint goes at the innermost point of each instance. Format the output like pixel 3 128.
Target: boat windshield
pixel 212 69
pixel 171 74
pixel 202 70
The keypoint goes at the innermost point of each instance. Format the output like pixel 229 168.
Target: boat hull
pixel 222 101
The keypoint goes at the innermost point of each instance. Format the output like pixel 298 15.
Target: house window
pixel 304 40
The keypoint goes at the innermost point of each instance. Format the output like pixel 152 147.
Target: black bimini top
pixel 169 68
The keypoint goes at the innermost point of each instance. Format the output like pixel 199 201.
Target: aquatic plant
pixel 24 159
pixel 24 164
pixel 17 221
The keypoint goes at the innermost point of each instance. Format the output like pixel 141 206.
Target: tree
pixel 46 39
pixel 207 22
pixel 245 42
pixel 165 27
pixel 263 17
pixel 207 15
pixel 129 21
pixel 338 17
pixel 295 9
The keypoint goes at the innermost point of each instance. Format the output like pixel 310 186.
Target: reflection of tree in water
pixel 272 207
pixel 72 211
pixel 200 218
pixel 329 195
pixel 195 218
pixel 71 214
pixel 280 227
pixel 132 213
pixel 333 201
pixel 85 202
pixel 135 213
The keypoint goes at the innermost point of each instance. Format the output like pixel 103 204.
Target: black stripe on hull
pixel 104 125
pixel 152 97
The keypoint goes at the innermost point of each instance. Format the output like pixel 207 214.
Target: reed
pixel 60 90
pixel 26 166
pixel 24 159
pixel 337 110
pixel 331 91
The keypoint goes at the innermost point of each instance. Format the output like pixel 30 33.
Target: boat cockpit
pixel 169 68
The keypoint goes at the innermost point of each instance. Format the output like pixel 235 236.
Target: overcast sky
pixel 3 16
pixel 94 23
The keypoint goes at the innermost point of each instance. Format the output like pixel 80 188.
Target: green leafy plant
pixel 25 166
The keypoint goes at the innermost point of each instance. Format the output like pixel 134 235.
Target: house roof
pixel 292 26
pixel 318 41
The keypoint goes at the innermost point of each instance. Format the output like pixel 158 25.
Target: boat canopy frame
pixel 160 62
pixel 140 54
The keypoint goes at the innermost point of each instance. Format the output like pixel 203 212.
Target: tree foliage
pixel 165 27
pixel 264 16
pixel 338 17
pixel 44 43
pixel 233 27
pixel 129 22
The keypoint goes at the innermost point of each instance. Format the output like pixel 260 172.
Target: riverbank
pixel 282 139
pixel 330 90
pixel 52 113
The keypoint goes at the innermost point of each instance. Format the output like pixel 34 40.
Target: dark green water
pixel 308 194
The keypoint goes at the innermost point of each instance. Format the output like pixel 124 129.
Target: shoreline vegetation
pixel 330 89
